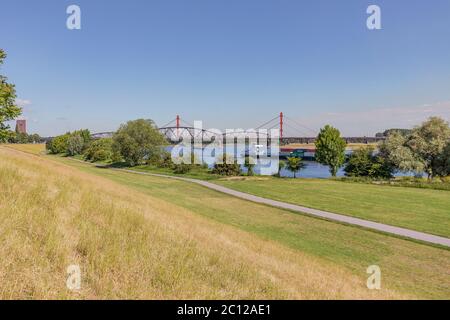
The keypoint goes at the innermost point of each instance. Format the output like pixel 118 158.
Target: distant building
pixel 21 126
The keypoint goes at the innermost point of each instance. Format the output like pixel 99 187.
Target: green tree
pixel 181 168
pixel 99 150
pixel 363 163
pixel 8 108
pixel 428 141
pixel 281 166
pixel 330 149
pixel 397 154
pixel 35 138
pixel 443 162
pixel 85 135
pixel 249 163
pixel 75 144
pixel 58 144
pixel 227 168
pixel 138 140
pixel 23 138
pixel 421 151
pixel 294 165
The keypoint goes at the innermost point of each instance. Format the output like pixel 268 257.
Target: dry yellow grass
pixel 131 245
pixel 38 148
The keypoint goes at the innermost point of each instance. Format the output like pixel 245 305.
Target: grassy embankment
pixel 408 268
pixel 134 245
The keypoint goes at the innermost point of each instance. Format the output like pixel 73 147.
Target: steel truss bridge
pixel 178 130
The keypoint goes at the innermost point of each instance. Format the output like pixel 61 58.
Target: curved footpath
pixel 402 232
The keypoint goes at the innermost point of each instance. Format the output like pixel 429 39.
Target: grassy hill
pixel 147 237
pixel 131 245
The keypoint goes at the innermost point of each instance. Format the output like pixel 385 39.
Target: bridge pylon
pixel 281 125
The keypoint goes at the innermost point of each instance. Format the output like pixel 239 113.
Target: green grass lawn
pixel 419 209
pixel 407 266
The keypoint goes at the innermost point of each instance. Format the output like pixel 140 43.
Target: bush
pixel 23 138
pixel 161 160
pixel 226 169
pixel 70 143
pixel 99 150
pixel 250 165
pixel 75 145
pixel 181 168
pixel 138 141
pixel 165 160
pixel 362 163
pixel 58 144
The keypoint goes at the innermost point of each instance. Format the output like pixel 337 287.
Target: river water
pixel 312 169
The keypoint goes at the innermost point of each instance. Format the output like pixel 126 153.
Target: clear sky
pixel 230 63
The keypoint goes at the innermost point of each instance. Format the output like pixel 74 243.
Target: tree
pixel 181 168
pixel 99 150
pixel 428 142
pixel 398 155
pixel 85 135
pixel 8 108
pixel 330 149
pixel 138 140
pixel 421 151
pixel 23 138
pixel 250 165
pixel 386 133
pixel 75 145
pixel 443 162
pixel 363 163
pixel 281 166
pixel 294 164
pixel 227 168
pixel 58 144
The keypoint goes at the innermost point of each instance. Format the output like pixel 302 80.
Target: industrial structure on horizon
pixel 21 126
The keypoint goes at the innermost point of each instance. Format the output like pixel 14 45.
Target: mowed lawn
pixel 407 267
pixel 418 209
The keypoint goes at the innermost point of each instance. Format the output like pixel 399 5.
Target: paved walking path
pixel 313 212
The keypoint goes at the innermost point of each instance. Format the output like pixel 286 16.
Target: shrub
pixel 166 160
pixel 70 143
pixel 22 138
pixel 363 163
pixel 226 169
pixel 250 165
pixel 137 141
pixel 75 145
pixel 181 168
pixel 99 150
pixel 58 144
pixel 294 165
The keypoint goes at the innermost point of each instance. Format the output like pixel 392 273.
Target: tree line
pixel 422 150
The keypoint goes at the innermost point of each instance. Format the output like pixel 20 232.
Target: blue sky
pixel 230 63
